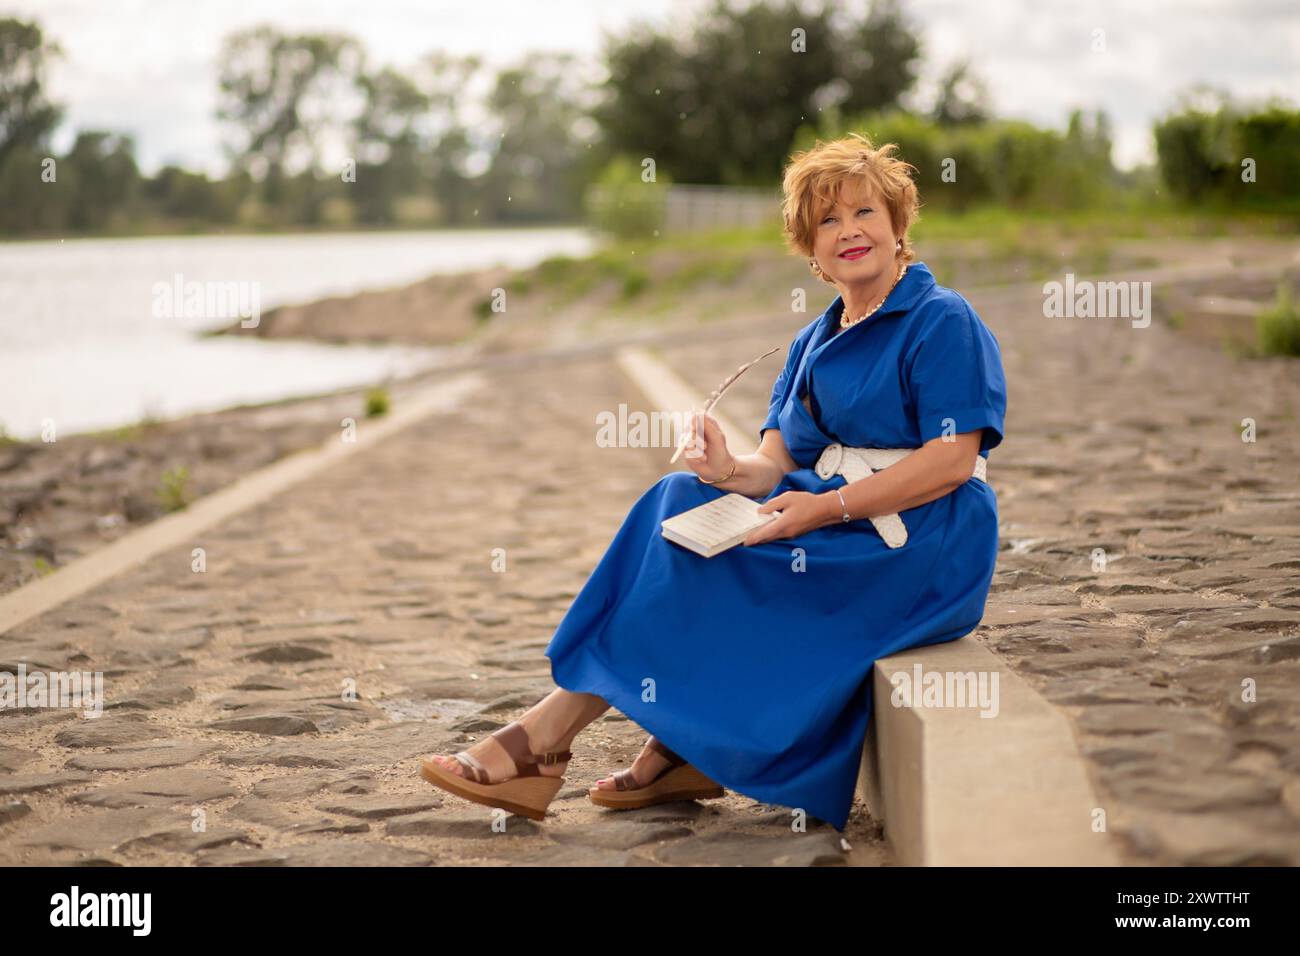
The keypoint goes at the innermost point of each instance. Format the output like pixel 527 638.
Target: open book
pixel 716 525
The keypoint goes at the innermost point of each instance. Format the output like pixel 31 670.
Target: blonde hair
pixel 813 179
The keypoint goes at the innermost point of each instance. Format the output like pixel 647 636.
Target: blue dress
pixel 755 664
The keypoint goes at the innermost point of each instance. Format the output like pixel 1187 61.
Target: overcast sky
pixel 147 66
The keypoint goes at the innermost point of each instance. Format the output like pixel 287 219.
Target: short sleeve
pixel 956 380
pixel 780 387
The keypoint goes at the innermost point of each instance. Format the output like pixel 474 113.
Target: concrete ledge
pixel 665 389
pixel 954 788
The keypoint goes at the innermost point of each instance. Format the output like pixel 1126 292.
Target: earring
pixel 899 244
pixel 812 264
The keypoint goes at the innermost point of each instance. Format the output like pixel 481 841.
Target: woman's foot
pixel 497 761
pixel 648 765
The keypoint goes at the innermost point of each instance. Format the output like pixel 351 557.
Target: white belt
pixel 855 463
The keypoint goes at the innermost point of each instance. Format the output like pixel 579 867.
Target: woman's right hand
pixel 706 454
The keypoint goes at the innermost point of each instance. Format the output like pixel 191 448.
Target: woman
pixel 755 665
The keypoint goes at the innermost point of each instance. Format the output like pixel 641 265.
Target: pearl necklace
pixel 845 324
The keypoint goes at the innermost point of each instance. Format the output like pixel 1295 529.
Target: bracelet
pixel 724 478
pixel 845 516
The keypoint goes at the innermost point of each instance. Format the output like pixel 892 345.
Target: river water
pixel 89 339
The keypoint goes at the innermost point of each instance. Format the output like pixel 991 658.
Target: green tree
pixel 176 193
pixel 281 95
pixel 445 77
pixel 101 176
pixel 877 56
pixel 388 142
pixel 412 139
pixel 720 102
pixel 1206 148
pixel 1194 144
pixel 539 166
pixel 1008 163
pixel 26 116
pixel 621 203
pixel 963 97
pixel 1270 139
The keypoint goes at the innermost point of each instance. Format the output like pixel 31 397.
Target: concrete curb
pixel 183 527
pixel 666 390
pixel 951 787
pixel 954 788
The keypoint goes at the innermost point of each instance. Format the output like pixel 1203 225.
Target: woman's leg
pixel 647 765
pixel 555 720
pixel 552 724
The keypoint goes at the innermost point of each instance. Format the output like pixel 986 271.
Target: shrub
pixel 620 203
pixel 634 283
pixel 1277 330
pixel 377 401
pixel 173 494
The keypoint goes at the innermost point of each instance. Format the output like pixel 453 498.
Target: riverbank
pixel 668 285
pixel 63 499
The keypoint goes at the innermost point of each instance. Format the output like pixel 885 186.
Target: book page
pixel 719 520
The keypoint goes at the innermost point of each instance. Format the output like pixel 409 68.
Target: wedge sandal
pixel 678 781
pixel 527 794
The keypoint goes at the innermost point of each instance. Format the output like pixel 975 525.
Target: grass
pixel 1277 329
pixel 1162 304
pixel 1036 226
pixel 643 279
pixel 520 284
pixel 378 401
pixel 657 276
pixel 125 432
pixel 120 432
pixel 626 267
pixel 634 283
pixel 1029 239
pixel 173 492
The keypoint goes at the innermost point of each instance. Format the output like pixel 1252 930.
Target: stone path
pixel 229 735
pixel 1149 573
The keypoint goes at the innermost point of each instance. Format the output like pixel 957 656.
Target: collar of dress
pixel 916 283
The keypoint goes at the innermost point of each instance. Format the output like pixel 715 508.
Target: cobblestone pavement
pixel 1149 574
pixel 227 736
pixel 1147 578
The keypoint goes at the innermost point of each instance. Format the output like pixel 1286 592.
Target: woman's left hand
pixel 801 511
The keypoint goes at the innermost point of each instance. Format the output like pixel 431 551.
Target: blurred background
pixel 207 205
pixel 200 117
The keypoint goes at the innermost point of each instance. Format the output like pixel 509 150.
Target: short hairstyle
pixel 813 179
